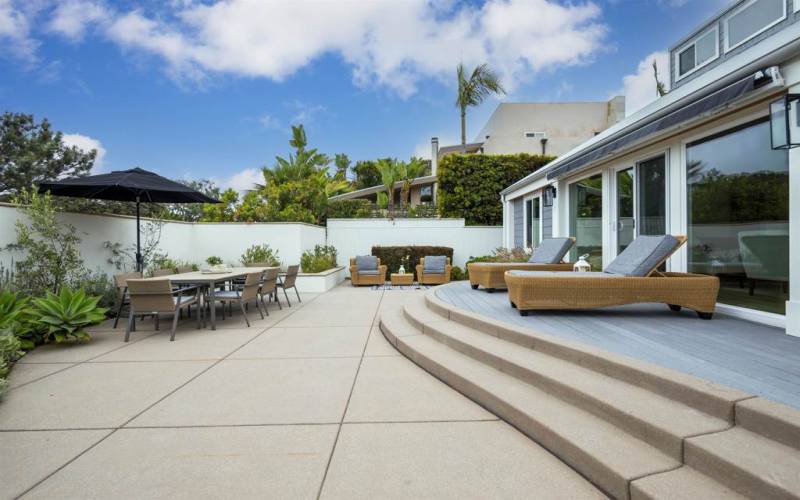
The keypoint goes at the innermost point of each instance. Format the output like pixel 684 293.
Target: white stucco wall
pixel 353 237
pixel 193 242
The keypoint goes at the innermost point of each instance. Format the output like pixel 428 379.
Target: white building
pixel 698 162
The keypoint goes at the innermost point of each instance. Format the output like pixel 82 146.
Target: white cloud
pixel 392 43
pixel 268 121
pixel 72 17
pixel 243 180
pixel 15 32
pixel 305 113
pixel 639 88
pixel 86 143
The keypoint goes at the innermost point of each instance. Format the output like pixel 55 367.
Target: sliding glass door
pixel 738 196
pixel 641 194
pixel 586 219
pixel 533 234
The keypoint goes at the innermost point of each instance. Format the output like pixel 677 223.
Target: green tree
pixel 51 259
pixel 32 152
pixel 409 171
pixel 342 162
pixel 366 174
pixel 221 212
pixel 474 90
pixel 390 175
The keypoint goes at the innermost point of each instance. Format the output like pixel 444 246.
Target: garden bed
pixel 320 282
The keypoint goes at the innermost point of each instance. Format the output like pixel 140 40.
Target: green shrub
pixel 261 254
pixel 163 261
pixel 457 274
pixel 10 351
pixel 13 309
pixel 349 209
pixel 408 256
pixel 214 260
pixel 98 284
pixel 469 185
pixel 63 317
pixel 322 258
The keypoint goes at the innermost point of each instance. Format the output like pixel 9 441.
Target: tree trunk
pixel 463 129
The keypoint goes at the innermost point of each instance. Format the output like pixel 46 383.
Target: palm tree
pixel 390 174
pixel 474 90
pixel 409 171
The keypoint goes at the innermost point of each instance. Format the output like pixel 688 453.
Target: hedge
pixel 393 257
pixel 470 184
pixel 349 209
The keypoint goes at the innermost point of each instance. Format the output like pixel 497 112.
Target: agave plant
pixel 13 309
pixel 63 317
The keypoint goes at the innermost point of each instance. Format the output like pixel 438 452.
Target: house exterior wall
pixel 547 222
pixel 675 148
pixel 565 125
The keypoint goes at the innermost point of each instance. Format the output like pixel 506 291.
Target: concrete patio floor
pixel 311 402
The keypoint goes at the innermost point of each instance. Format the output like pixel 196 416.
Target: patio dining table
pixel 211 280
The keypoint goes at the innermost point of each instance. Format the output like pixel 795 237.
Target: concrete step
pixel 661 422
pixel 710 398
pixel 684 483
pixel 605 454
pixel 747 462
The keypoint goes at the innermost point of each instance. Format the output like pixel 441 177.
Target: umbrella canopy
pixel 135 184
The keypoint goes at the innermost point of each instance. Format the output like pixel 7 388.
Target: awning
pixel 685 113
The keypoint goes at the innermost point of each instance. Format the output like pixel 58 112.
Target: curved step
pixel 680 484
pixel 602 452
pixel 661 422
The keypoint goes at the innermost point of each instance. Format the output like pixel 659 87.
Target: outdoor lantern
pixel 784 122
pixel 549 195
pixel 582 266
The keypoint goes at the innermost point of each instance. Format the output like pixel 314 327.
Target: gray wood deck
pixel 755 358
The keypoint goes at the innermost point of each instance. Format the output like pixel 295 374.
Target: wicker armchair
pixel 433 279
pixel 358 279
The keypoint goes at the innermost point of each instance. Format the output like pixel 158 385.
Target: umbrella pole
pixel 139 263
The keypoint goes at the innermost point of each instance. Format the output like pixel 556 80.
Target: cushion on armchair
pixel 434 264
pixel 367 263
pixel 551 251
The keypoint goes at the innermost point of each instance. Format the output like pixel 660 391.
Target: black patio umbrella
pixel 135 184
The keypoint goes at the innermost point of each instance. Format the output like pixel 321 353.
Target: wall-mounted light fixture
pixel 549 195
pixel 784 122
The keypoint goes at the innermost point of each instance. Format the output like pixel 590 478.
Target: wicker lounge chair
pixel 367 270
pixel 631 278
pixel 548 256
pixel 436 271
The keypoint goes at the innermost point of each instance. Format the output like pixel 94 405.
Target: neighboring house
pixel 701 161
pixel 535 128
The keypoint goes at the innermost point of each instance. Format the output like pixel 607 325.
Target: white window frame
pixel 745 5
pixel 796 5
pixel 691 42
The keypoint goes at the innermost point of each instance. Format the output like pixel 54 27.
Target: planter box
pixel 320 282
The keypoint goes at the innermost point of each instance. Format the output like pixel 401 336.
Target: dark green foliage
pixel 408 256
pixel 367 174
pixel 457 274
pixel 349 209
pixel 322 258
pixel 750 197
pixel 33 152
pixel 214 261
pixel 470 185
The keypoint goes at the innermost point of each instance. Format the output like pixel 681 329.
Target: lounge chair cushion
pixel 642 255
pixel 434 264
pixel 551 251
pixel 366 263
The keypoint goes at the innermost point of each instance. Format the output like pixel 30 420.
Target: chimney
pixel 434 155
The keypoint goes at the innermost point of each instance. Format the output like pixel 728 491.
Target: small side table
pixel 402 279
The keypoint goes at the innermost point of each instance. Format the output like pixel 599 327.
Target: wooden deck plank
pixel 749 356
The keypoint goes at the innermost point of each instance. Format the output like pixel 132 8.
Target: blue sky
pixel 209 89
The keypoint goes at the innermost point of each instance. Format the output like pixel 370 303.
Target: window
pixel 698 52
pixel 751 19
pixel 426 194
pixel 738 210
